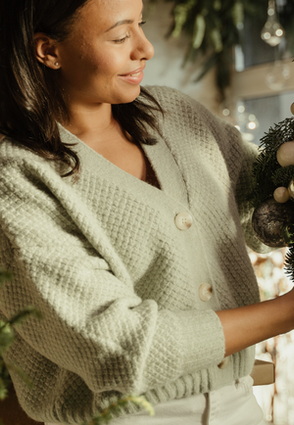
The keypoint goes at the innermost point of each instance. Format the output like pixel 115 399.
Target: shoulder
pixel 175 102
pixel 186 115
pixel 22 169
pixel 12 152
pixel 170 98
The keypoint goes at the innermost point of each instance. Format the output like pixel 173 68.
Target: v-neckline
pixel 162 162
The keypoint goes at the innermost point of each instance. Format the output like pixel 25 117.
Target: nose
pixel 143 49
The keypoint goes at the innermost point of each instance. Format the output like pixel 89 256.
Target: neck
pixel 86 123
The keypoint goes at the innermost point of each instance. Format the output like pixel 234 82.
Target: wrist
pixel 285 312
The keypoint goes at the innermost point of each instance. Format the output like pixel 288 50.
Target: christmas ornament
pixel 273 195
pixel 214 31
pixel 285 155
pixel 272 32
pixel 269 221
pixel 281 194
pixel 291 189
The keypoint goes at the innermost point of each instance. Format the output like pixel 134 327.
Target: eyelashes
pixel 121 40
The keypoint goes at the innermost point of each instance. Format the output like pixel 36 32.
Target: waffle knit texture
pixel 116 280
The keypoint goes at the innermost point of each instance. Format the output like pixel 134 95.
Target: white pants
pixel 231 405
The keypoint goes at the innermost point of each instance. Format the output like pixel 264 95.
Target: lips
pixel 134 73
pixel 133 77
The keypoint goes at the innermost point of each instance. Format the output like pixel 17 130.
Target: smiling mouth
pixel 135 73
pixel 134 77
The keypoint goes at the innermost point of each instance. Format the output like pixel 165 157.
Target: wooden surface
pixel 12 414
pixel 263 373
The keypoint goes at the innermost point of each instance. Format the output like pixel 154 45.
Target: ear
pixel 46 51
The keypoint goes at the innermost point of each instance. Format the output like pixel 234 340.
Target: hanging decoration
pixel 214 28
pixel 273 195
pixel 272 32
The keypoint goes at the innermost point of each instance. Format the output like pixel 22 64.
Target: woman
pixel 121 220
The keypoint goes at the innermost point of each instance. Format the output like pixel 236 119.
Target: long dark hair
pixel 31 101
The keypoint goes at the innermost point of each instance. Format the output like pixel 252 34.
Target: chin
pixel 128 97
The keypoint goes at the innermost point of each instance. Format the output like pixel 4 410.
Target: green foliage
pixel 282 176
pixel 115 408
pixel 214 29
pixel 268 174
pixel 289 262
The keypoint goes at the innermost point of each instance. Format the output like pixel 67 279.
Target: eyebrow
pixel 122 22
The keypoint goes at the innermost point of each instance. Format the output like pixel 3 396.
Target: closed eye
pixel 121 40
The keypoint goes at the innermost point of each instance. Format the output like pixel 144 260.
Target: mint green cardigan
pixel 116 280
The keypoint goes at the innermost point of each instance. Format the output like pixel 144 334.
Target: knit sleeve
pixel 242 155
pixel 96 335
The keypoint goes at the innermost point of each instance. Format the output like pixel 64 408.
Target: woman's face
pixel 103 58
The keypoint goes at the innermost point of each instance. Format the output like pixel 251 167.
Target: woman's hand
pixel 285 157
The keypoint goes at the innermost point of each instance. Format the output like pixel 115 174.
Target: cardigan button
pixel 183 220
pixel 205 292
pixel 225 363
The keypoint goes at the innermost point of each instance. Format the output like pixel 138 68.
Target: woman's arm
pixel 246 326
pixel 96 331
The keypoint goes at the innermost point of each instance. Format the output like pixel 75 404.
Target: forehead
pixel 103 14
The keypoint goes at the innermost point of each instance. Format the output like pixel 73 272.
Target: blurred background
pixel 235 57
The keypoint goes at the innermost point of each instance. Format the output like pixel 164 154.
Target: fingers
pixel 285 154
pixel 285 157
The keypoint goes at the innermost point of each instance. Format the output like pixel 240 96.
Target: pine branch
pixel 289 263
pixel 267 172
pixel 283 176
pixel 268 175
pixel 277 135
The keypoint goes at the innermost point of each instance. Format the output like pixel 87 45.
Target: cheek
pixel 110 62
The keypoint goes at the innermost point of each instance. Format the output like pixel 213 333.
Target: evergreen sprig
pixel 116 407
pixel 267 172
pixel 268 175
pixel 289 263
pixel 277 135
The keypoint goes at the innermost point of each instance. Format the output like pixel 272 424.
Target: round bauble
pixel 269 221
pixel 281 194
pixel 285 154
pixel 292 108
pixel 291 189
